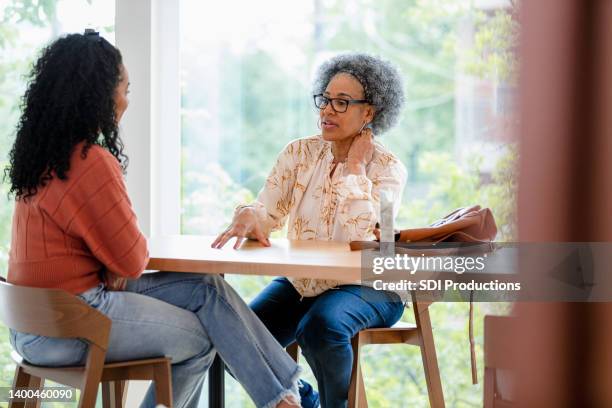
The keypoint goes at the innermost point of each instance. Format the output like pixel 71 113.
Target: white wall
pixel 133 38
pixel 166 119
pixel 147 33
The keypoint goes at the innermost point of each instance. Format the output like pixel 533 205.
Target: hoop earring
pixel 319 123
pixel 363 127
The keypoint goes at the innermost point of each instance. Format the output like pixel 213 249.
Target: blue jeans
pixel 323 327
pixel 189 318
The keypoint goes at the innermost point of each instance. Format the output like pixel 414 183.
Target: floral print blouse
pixel 336 207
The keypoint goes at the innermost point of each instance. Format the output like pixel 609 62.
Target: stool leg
pixel 363 399
pixel 21 380
pixel 123 391
pixel 163 384
pixel 91 377
pixel 114 394
pixel 357 395
pixel 107 395
pixel 35 383
pixel 428 354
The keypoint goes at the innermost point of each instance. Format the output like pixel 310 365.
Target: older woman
pixel 74 224
pixel 329 186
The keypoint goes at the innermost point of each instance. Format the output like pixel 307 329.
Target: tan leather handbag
pixel 466 224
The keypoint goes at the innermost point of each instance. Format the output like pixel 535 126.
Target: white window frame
pixel 147 33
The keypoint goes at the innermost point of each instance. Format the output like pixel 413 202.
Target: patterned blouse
pixel 340 207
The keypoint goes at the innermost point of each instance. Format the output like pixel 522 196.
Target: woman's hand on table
pixel 244 225
pixel 361 152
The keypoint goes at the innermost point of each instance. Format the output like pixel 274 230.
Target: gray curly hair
pixel 381 81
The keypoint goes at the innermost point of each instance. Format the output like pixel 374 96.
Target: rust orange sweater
pixel 73 229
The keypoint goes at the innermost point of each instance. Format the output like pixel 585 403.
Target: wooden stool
pixel 419 334
pixel 56 313
pixel 499 332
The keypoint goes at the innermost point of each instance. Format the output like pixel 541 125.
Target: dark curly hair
pixel 381 81
pixel 69 99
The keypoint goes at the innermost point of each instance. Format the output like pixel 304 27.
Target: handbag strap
pixel 472 343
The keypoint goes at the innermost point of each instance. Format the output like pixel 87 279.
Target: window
pixel 246 92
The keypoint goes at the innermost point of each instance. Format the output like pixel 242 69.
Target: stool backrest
pixel 500 335
pixel 52 313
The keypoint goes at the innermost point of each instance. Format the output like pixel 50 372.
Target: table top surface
pixel 307 259
pixel 292 258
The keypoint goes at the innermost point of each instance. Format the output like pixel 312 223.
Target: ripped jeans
pixel 189 318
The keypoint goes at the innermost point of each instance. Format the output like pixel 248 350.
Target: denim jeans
pixel 323 327
pixel 189 318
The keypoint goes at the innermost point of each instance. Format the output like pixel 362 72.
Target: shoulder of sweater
pixel 97 162
pixel 96 153
pixel 97 167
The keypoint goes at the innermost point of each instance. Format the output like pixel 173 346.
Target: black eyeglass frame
pixel 331 101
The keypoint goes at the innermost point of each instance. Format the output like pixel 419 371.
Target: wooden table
pixel 306 259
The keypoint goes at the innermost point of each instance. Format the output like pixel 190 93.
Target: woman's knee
pixel 320 332
pixel 50 351
pixel 213 279
pixel 210 278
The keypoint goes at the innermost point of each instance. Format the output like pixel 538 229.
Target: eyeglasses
pixel 338 104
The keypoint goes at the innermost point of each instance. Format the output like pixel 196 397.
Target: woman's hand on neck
pixel 360 153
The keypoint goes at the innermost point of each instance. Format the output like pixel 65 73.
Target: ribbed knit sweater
pixel 72 230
